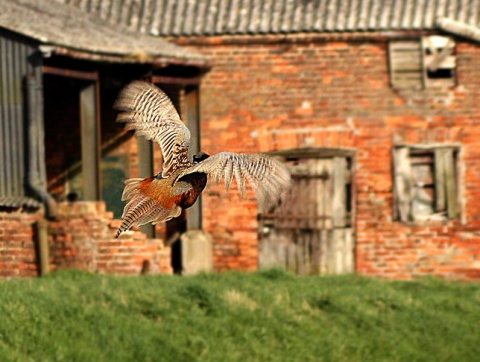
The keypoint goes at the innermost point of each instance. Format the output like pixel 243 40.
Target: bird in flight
pixel 147 109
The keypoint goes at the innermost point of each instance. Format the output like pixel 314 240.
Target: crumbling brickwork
pixel 81 237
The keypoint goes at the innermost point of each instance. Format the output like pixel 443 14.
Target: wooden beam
pixel 71 73
pixel 314 152
pixel 439 57
pixel 194 81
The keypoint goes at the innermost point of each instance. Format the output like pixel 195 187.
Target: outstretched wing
pixel 270 178
pixel 148 110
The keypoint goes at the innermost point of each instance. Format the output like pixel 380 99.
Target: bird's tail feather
pixel 142 209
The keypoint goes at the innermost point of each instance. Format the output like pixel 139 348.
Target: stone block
pixel 196 252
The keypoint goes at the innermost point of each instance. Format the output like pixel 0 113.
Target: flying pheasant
pixel 148 110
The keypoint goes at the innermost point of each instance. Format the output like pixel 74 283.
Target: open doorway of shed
pixel 311 231
pixel 70 112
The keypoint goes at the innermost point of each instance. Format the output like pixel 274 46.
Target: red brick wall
pixel 17 249
pixel 82 237
pixel 272 94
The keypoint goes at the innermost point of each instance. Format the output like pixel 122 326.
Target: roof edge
pixel 299 37
pixel 459 28
pixel 133 58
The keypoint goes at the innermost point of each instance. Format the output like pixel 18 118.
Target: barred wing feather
pixel 148 110
pixel 270 178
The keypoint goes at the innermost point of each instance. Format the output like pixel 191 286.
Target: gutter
pixel 36 150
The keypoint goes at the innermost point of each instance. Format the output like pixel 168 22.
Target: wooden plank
pixel 448 62
pixel 405 56
pixel 339 200
pixel 281 246
pixel 407 66
pixel 291 253
pixel 330 245
pixel 404 45
pixel 308 199
pixel 323 251
pixel 403 183
pixel 318 191
pixel 349 254
pixel 424 66
pixel 316 252
pixel 299 254
pixel 338 250
pixel 328 193
pixel 440 187
pixel 450 189
pixel 308 252
pixel 438 59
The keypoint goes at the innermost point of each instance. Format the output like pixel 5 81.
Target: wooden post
pixel 90 125
pixel 194 213
pixel 43 249
pixel 145 169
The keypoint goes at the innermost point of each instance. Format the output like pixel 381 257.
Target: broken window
pixel 426 183
pixel 425 63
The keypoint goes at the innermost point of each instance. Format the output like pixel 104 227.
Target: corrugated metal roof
pixel 19 201
pixel 220 17
pixel 71 29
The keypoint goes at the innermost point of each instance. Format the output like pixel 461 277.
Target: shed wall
pixel 264 96
pixel 17 57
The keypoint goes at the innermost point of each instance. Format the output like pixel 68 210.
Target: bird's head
pixel 199 157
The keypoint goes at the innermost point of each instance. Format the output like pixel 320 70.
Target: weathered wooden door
pixel 311 232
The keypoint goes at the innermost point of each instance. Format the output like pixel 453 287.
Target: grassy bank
pixel 265 316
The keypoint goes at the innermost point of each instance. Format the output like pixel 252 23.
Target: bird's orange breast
pixel 183 193
pixel 159 190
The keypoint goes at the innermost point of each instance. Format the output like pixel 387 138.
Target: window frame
pixel 411 60
pixel 446 178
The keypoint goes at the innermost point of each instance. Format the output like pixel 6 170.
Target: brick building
pixel 374 106
pixel 373 103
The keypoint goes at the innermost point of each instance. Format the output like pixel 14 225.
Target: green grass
pixel 265 316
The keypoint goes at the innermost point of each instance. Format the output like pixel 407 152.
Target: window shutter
pixel 439 61
pixel 403 183
pixel 445 185
pixel 440 187
pixel 406 69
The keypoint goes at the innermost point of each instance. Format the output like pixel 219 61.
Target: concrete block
pixel 196 252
